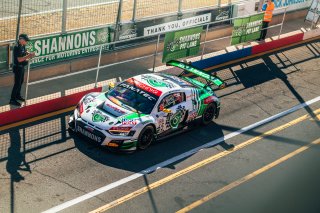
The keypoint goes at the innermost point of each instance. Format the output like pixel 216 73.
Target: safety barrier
pixel 34 110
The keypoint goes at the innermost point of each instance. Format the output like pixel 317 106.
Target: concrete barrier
pixel 45 107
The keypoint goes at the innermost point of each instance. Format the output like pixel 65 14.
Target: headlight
pixel 121 131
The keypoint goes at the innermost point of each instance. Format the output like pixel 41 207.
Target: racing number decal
pixel 175 119
pixel 98 117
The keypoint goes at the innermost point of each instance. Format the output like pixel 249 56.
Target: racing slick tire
pixel 208 114
pixel 146 137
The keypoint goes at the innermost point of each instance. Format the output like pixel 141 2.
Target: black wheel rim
pixel 209 114
pixel 146 138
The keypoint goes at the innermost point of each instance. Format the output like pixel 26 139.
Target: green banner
pixel 4 57
pixel 181 44
pixel 67 46
pixel 247 29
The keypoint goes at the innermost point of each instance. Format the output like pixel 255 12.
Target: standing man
pixel 20 60
pixel 268 8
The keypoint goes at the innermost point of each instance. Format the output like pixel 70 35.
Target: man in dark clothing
pixel 20 60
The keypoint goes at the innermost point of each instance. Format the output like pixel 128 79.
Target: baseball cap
pixel 24 37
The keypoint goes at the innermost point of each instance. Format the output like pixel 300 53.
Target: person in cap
pixel 20 60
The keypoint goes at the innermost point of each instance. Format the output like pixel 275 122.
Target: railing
pixel 154 55
pixel 60 16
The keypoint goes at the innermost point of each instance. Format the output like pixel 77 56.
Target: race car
pixel 147 107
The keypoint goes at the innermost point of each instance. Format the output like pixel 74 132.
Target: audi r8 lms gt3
pixel 146 107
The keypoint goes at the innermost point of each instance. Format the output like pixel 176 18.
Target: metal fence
pixel 59 16
pixel 96 78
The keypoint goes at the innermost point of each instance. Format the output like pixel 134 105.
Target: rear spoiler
pixel 187 68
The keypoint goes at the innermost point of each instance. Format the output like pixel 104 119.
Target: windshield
pixel 132 98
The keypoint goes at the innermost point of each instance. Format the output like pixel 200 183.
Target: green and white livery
pixel 144 108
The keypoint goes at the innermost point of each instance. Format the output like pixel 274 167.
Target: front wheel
pixel 146 137
pixel 208 114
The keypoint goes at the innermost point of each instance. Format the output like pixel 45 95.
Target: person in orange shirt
pixel 268 12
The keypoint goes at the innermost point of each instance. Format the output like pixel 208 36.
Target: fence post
pixel 27 83
pixel 219 3
pixel 118 21
pixel 205 39
pixel 180 8
pixel 98 67
pixel 134 12
pixel 284 15
pixel 64 16
pixel 18 21
pixel 156 53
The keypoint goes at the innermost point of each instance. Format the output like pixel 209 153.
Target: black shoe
pixel 20 99
pixel 15 103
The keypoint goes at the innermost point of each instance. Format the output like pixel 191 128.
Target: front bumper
pixel 101 137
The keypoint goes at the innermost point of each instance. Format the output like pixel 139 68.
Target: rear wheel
pixel 208 114
pixel 146 137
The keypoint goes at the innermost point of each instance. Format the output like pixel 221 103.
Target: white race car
pixel 146 107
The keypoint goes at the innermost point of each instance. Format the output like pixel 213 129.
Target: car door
pixel 170 112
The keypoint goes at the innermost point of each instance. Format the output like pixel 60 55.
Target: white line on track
pixel 177 158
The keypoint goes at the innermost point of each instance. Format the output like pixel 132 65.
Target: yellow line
pixel 198 165
pixel 247 178
pixel 36 118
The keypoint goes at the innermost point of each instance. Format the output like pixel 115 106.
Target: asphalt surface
pixel 42 166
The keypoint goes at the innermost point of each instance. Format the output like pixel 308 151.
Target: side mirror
pixel 166 110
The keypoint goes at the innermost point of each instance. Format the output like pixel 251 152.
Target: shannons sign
pixel 247 29
pixel 181 44
pixel 54 48
pixel 177 25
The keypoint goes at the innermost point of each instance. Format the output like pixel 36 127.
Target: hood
pixel 105 114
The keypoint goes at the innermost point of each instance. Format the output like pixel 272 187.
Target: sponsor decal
pixel 70 45
pixel 130 122
pixel 139 91
pixel 88 100
pixel 181 44
pixel 247 29
pixel 192 115
pixel 97 116
pixel 177 25
pixel 222 16
pixel 155 82
pixel 175 119
pixel 145 87
pixel 128 34
pixel 285 3
pixel 89 134
pixel 115 108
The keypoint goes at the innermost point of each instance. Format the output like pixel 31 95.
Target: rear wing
pixel 187 68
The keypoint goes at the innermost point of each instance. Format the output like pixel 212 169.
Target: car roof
pixel 163 82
